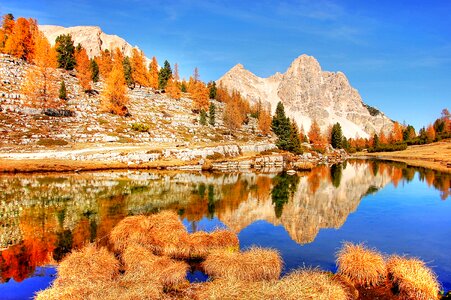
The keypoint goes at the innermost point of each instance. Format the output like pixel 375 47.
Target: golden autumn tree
pixel 396 135
pixel 20 42
pixel 6 30
pixel 314 134
pixel 430 133
pixel 232 116
pixel 264 121
pixel 83 68
pixel 105 62
pixel 382 138
pixel 199 93
pixel 139 71
pixel 40 84
pixel 153 73
pixel 173 89
pixel 114 96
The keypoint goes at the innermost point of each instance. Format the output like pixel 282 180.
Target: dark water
pixel 392 207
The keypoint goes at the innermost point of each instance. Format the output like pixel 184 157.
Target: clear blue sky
pixel 396 53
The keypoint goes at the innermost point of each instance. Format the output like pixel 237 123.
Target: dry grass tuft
pixel 361 265
pixel 310 284
pixel 82 274
pixel 161 233
pixel 202 243
pixel 413 278
pixel 302 284
pixel 142 266
pixel 252 265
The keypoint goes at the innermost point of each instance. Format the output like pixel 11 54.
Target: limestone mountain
pixel 308 94
pixel 92 38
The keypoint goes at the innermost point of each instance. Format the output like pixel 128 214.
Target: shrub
pixel 388 147
pixel 52 142
pixel 413 278
pixel 140 127
pixel 361 265
pixel 215 156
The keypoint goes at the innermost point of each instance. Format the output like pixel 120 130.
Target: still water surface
pixel 392 207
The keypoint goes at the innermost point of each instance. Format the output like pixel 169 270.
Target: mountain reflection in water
pixel 43 217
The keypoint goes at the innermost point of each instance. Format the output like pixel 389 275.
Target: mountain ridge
pixel 309 93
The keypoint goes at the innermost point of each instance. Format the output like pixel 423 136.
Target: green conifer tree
pixel 212 89
pixel 212 114
pixel 128 72
pixel 65 52
pixel 337 136
pixel 203 117
pixel 94 70
pixel 63 91
pixel 294 144
pixel 281 127
pixel 164 75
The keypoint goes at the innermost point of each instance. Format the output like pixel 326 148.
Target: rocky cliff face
pixel 92 38
pixel 308 94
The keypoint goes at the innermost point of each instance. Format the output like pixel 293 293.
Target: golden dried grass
pixel 130 230
pixel 310 284
pixel 83 274
pixel 202 243
pixel 252 265
pixel 142 266
pixel 413 278
pixel 361 265
pixel 301 284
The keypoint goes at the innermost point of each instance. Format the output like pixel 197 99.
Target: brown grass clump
pixel 232 289
pixel 202 243
pixel 252 265
pixel 142 266
pixel 161 233
pixel 361 265
pixel 310 284
pixel 413 278
pixel 82 274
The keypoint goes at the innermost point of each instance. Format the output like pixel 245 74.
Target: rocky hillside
pixel 308 93
pixel 92 38
pixel 155 120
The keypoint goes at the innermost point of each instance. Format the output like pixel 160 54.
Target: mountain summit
pixel 308 94
pixel 92 38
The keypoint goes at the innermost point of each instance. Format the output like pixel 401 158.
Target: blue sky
pixel 396 53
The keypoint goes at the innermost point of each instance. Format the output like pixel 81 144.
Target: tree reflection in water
pixel 43 217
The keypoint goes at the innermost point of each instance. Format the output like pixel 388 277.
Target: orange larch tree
pixel 314 134
pixel 397 133
pixel 20 42
pixel 232 116
pixel 40 84
pixel 6 30
pixel 153 73
pixel 139 71
pixel 83 68
pixel 114 96
pixel 173 89
pixel 264 121
pixel 200 94
pixel 430 133
pixel 105 63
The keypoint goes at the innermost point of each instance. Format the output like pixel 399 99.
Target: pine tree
pixel 83 68
pixel 376 142
pixel 128 73
pixel 336 136
pixel 66 52
pixel 183 87
pixel 164 75
pixel 62 91
pixel 212 114
pixel 6 30
pixel 153 73
pixel 212 89
pixel 294 144
pixel 281 127
pixel 203 117
pixel 94 70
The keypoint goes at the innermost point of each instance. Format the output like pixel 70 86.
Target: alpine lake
pixel 392 207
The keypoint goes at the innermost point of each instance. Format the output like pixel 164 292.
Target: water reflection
pixel 43 217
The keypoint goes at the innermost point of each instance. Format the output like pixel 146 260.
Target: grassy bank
pixel 435 156
pixel 148 258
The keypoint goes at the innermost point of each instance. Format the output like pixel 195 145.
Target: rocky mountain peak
pixel 92 38
pixel 309 93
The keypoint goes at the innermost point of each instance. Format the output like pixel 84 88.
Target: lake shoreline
pixel 436 156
